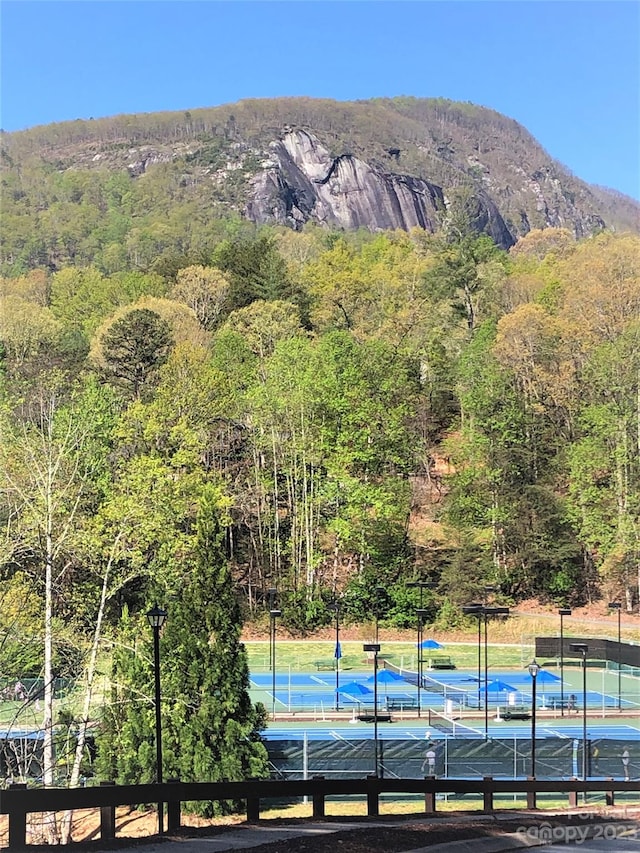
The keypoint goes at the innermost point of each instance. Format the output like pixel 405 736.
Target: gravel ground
pixel 389 834
pixel 390 839
pixel 396 835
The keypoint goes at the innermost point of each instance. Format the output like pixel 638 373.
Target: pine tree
pixel 126 736
pixel 210 728
pixel 134 348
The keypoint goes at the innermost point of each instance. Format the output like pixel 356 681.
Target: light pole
pixel 564 611
pixel 157 617
pixel 482 611
pixel 273 615
pixel 488 611
pixel 379 590
pixel 338 650
pixel 271 603
pixel 420 614
pixel 582 649
pixel 476 610
pixel 615 605
pixel 534 669
pixel 375 648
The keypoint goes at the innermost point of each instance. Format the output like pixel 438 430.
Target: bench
pixel 370 717
pixel 555 702
pixel 324 664
pixel 440 662
pixel 516 712
pixel 401 704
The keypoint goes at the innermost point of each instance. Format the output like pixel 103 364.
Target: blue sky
pixel 568 70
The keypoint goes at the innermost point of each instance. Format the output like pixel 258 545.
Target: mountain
pixel 377 164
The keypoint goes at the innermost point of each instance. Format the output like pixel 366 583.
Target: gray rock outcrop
pixel 302 182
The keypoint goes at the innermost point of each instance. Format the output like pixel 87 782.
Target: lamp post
pixel 564 611
pixel 273 615
pixel 534 669
pixel 375 648
pixel 615 605
pixel 157 617
pixel 379 590
pixel 582 649
pixel 338 650
pixel 271 603
pixel 489 611
pixel 476 610
pixel 421 613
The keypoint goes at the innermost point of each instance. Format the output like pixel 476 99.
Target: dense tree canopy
pixel 318 413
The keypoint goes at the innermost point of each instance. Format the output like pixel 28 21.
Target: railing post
pixel 488 793
pixel 318 801
pixel 253 809
pixel 609 796
pixel 430 797
pixel 107 818
pixel 573 796
pixel 373 804
pixel 17 823
pixel 174 818
pixel 531 794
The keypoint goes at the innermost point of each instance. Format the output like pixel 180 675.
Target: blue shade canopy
pixel 386 676
pixel 354 688
pixel 545 677
pixel 497 686
pixel 431 644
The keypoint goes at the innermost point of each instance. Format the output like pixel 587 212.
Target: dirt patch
pixel 130 824
pixel 530 617
pixel 401 834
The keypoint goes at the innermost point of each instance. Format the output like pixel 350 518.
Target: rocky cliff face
pixel 380 164
pixel 302 182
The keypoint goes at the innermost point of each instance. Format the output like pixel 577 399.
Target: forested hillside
pixel 368 409
pixel 208 412
pixel 159 191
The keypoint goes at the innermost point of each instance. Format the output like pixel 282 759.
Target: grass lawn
pixel 302 655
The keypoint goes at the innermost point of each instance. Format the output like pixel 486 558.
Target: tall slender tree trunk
pixel 65 824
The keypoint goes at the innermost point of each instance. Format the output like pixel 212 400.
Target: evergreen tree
pixel 212 727
pixel 126 736
pixel 135 347
pixel 254 269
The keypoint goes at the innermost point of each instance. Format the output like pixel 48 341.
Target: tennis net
pixel 460 695
pixel 450 726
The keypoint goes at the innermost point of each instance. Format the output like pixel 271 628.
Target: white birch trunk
pixel 65 825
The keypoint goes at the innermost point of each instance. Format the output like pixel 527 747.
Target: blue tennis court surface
pixel 441 691
pixel 398 731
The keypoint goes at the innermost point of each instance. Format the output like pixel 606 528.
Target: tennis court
pixel 310 738
pixel 447 691
pixel 421 731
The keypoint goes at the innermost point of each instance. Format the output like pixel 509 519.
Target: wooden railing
pixel 17 801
